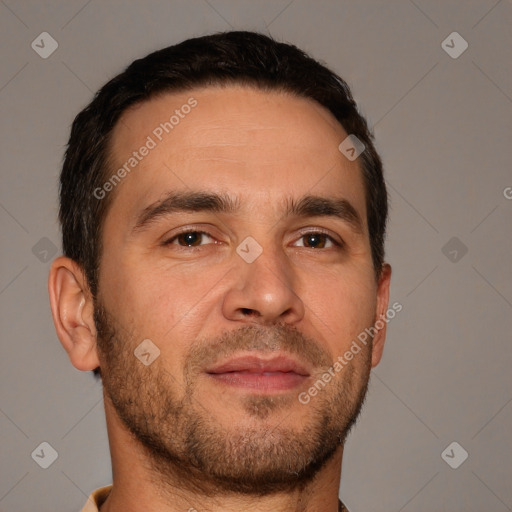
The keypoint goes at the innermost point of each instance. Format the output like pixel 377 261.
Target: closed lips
pixel 254 364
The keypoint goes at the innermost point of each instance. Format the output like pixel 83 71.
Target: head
pixel 205 206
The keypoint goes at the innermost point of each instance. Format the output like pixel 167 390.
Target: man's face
pixel 188 279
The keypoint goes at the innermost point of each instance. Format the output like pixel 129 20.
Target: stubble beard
pixel 186 446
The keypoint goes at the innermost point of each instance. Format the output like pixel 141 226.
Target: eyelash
pixel 170 241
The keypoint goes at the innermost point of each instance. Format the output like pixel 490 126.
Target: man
pixel 223 213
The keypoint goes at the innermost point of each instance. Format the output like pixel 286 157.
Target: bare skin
pixel 262 149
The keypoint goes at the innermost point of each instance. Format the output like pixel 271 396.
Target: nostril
pixel 248 312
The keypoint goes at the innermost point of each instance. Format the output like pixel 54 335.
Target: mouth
pixel 280 373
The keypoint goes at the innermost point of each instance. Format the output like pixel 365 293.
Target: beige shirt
pixel 98 497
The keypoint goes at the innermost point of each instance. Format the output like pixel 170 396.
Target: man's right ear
pixel 73 312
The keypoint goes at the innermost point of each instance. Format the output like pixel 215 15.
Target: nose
pixel 263 291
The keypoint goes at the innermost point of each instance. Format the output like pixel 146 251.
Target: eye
pixel 318 240
pixel 188 239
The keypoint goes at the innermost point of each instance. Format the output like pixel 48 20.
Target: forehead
pixel 257 145
pixel 234 109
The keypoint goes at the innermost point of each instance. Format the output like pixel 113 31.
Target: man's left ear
pixel 381 314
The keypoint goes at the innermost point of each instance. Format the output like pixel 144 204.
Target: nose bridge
pixel 264 287
pixel 270 271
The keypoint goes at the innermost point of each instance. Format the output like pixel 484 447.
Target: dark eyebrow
pixel 316 206
pixel 307 206
pixel 186 202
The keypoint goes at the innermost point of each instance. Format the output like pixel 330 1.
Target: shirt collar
pixel 98 497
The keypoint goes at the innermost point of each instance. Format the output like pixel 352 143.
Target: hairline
pixel 108 163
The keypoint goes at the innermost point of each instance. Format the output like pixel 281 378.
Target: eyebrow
pixel 306 206
pixel 317 206
pixel 176 202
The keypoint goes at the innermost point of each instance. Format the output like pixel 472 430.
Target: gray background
pixel 444 128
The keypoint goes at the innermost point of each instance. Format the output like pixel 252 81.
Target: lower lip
pixel 267 381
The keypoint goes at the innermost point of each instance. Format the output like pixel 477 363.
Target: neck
pixel 138 486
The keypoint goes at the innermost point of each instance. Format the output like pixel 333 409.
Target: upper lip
pixel 257 364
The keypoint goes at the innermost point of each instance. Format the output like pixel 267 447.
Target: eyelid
pixel 336 239
pixel 167 240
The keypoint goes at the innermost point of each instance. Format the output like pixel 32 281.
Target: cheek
pixel 342 306
pixel 162 304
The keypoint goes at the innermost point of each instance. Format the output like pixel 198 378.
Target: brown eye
pixel 192 238
pixel 315 240
pixel 188 239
